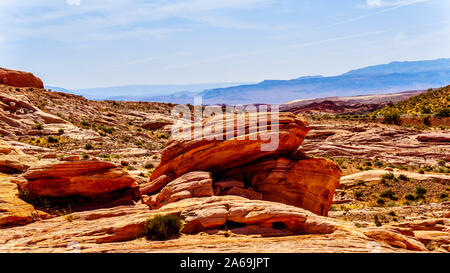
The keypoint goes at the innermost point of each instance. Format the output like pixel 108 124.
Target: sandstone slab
pixel 220 151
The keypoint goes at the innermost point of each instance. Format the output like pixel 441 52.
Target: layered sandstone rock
pixel 19 79
pixel 241 167
pixel 12 160
pixel 13 210
pixel 434 137
pixel 185 154
pixel 155 124
pixel 90 179
pixel 194 184
pixel 308 183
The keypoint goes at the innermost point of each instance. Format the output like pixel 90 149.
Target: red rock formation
pixel 190 185
pixel 19 79
pixel 308 183
pixel 76 178
pixel 244 169
pixel 183 156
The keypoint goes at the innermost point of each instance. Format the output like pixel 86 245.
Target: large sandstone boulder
pixel 183 154
pixel 248 216
pixel 13 210
pixel 195 184
pixel 308 183
pixel 19 79
pixel 241 167
pixel 89 179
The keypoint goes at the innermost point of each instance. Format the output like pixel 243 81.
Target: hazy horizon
pixel 79 44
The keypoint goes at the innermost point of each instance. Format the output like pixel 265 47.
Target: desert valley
pixel 365 173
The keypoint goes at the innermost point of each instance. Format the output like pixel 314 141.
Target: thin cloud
pixel 393 5
pixel 269 50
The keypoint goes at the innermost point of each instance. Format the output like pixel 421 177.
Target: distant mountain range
pixel 143 92
pixel 378 79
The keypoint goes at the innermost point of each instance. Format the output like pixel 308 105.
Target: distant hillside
pixel 388 78
pixel 431 102
pixel 162 93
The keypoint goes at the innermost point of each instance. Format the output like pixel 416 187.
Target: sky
pixel 96 43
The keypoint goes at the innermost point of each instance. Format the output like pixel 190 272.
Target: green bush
pixel 163 227
pixel 410 197
pixel 388 176
pixel 392 116
pixel 388 194
pixel 444 113
pixel 88 146
pixel 149 165
pixel 52 139
pixel 403 177
pixel 358 194
pixel 420 190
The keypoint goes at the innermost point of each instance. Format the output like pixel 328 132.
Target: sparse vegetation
pixel 163 227
pixel 434 102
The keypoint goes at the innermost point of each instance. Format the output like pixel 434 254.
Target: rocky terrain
pixel 85 176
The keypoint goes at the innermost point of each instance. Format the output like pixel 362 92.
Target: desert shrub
pixel 88 146
pixel 163 136
pixel 392 117
pixel 52 139
pixel 410 197
pixel 388 194
pixel 358 194
pixel 361 183
pixel 39 126
pixel 403 177
pixel 377 220
pixel 149 165
pixel 108 130
pixel 388 176
pixel 380 201
pixel 420 190
pixel 163 227
pixel 441 163
pixel 131 168
pixel 443 113
pixel 443 195
pixel 60 131
pixel 85 123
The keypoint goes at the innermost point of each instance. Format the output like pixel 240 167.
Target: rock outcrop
pixel 308 183
pixel 195 184
pixel 90 180
pixel 434 137
pixel 252 216
pixel 187 154
pixel 241 167
pixel 13 210
pixel 19 79
pixel 13 160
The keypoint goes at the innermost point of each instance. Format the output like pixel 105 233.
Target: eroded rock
pixel 185 154
pixel 194 184
pixel 19 79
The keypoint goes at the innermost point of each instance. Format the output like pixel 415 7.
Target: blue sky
pixel 94 43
